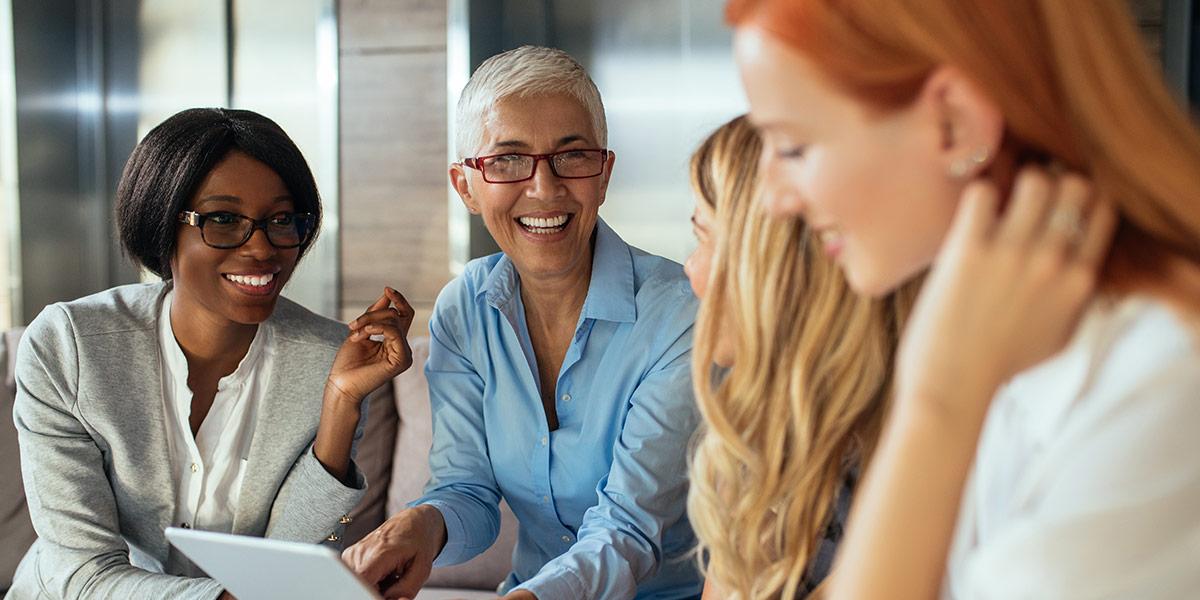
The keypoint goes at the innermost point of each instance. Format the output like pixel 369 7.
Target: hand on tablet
pixel 398 556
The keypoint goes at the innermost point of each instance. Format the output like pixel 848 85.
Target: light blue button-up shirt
pixel 601 500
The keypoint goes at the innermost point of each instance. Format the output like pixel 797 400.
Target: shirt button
pixel 546 499
pixel 332 538
pixel 566 538
pixel 566 398
pixel 545 440
pixel 195 467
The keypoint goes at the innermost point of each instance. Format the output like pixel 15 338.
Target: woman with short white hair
pixel 559 369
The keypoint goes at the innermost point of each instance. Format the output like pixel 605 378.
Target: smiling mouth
pixel 253 285
pixel 545 225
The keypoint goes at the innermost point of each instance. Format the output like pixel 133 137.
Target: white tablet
pixel 254 568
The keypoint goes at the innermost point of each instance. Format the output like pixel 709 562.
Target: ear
pixel 459 181
pixel 971 126
pixel 607 175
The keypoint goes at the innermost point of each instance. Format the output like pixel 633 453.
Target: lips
pixel 253 283
pixel 545 224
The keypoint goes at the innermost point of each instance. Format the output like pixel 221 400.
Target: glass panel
pixel 285 66
pixel 665 70
pixel 10 292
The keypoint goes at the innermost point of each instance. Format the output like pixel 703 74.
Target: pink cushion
pixel 410 473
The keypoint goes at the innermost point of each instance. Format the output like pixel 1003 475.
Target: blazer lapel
pixel 286 424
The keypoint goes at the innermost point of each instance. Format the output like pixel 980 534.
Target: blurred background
pixel 367 89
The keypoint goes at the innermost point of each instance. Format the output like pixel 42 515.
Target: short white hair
pixel 523 72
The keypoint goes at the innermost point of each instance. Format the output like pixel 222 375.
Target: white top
pixel 209 467
pixel 1087 478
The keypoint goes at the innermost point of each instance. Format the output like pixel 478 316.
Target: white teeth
pixel 830 236
pixel 540 223
pixel 254 280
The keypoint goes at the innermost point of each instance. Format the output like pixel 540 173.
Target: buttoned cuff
pixel 328 501
pixel 556 584
pixel 455 550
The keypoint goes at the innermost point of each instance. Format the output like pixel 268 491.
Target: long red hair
pixel 1071 77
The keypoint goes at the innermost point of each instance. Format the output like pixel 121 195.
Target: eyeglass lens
pixel 227 230
pixel 572 163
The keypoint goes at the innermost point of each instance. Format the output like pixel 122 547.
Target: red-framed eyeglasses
pixel 513 167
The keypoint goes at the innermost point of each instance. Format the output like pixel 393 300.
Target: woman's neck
pixel 555 302
pixel 211 344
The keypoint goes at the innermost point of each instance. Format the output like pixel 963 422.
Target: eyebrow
pixel 518 144
pixel 237 200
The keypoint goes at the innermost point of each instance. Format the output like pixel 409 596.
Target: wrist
pixel 433 524
pixel 337 395
pixel 951 407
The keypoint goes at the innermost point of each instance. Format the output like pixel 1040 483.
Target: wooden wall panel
pixel 394 228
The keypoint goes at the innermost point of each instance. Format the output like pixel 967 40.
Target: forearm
pixel 340 415
pixel 903 520
pixel 312 505
pixel 607 563
pixel 68 573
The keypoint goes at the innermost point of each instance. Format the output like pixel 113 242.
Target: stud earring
pixel 963 167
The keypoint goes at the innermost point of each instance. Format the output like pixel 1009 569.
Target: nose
pixel 545 184
pixel 258 247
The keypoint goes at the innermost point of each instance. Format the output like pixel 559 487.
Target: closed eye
pixel 792 152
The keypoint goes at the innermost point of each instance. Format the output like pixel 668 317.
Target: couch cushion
pixel 410 473
pixel 374 460
pixel 14 515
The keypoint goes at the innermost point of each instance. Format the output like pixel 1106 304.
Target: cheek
pixel 495 207
pixel 840 186
pixel 698 267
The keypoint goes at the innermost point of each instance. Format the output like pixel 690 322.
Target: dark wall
pixel 72 143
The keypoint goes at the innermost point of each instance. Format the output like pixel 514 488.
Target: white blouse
pixel 1086 482
pixel 209 466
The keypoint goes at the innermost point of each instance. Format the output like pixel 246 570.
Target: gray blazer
pixel 92 428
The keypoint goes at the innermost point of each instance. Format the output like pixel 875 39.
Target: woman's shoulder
pixel 1131 354
pixel 661 284
pixel 124 308
pixel 494 273
pixel 1140 343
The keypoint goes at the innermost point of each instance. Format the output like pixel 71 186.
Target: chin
pixel 254 314
pixel 868 281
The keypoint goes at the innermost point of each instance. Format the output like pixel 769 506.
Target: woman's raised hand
pixel 1007 289
pixel 363 363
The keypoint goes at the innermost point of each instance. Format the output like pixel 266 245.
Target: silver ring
pixel 1067 221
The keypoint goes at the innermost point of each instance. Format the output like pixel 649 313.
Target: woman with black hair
pixel 204 400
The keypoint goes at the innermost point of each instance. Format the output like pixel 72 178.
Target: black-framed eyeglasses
pixel 227 230
pixel 512 167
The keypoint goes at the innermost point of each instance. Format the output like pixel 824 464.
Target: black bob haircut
pixel 167 166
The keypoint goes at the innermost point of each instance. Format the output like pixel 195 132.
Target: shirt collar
pixel 611 294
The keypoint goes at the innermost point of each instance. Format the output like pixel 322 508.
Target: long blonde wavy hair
pixel 808 391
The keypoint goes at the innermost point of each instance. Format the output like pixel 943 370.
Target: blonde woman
pixel 790 425
pixel 1042 442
